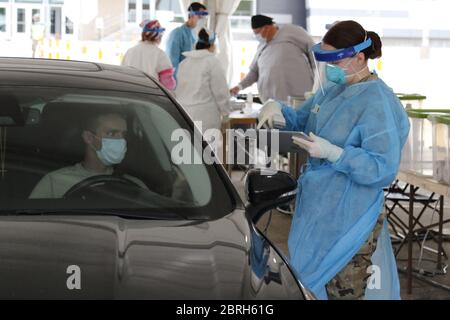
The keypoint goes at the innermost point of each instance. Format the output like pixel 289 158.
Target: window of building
pixel 246 8
pixel 35 15
pixel 170 5
pixel 131 10
pixel 2 19
pixel 145 9
pixel 21 23
pixel 241 17
pixel 69 26
pixel 56 21
pixel 28 1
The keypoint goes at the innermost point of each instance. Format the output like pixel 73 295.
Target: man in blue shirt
pixel 183 38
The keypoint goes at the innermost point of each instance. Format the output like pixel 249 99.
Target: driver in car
pixel 106 146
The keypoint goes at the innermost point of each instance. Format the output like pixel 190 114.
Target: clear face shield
pixel 326 62
pixel 203 18
pixel 153 29
pixel 157 30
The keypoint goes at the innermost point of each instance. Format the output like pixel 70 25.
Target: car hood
pixel 107 257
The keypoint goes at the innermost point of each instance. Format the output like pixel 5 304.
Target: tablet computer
pixel 285 143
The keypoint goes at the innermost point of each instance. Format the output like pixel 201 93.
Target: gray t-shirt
pixel 55 184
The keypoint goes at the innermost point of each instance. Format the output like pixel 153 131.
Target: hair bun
pixel 375 49
pixel 203 40
pixel 203 34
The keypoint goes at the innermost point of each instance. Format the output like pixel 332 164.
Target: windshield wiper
pixel 123 213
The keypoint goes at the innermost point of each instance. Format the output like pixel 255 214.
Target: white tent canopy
pixel 184 4
pixel 220 12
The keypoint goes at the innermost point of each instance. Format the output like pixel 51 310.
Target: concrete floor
pixel 278 231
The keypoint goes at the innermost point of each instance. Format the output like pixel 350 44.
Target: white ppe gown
pixel 202 88
pixel 147 57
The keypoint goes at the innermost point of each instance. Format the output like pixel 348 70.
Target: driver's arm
pixel 55 184
pixel 181 190
pixel 44 189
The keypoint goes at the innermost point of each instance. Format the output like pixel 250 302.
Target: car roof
pixel 75 74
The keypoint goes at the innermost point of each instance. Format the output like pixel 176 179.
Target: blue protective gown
pixel 180 40
pixel 338 204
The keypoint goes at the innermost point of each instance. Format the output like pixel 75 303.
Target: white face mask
pixel 113 151
pixel 260 38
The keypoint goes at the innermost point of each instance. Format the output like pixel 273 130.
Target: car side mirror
pixel 266 189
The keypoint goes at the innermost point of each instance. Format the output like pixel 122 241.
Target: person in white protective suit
pixel 147 57
pixel 202 87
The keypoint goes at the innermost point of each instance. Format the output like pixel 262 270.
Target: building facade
pixel 81 19
pixel 16 18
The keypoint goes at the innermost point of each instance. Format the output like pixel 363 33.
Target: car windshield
pixel 83 150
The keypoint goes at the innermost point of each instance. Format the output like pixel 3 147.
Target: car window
pixel 74 149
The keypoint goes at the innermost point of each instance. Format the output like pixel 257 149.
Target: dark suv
pixel 146 228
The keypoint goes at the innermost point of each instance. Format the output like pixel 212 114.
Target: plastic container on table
pixel 417 154
pixel 441 148
pixel 411 101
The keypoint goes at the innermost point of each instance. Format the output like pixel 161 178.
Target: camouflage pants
pixel 350 283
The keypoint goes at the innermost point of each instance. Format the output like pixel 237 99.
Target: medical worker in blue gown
pixel 339 243
pixel 183 38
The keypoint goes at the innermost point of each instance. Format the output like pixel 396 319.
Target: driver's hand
pixel 180 186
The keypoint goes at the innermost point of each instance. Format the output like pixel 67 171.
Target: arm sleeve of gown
pixel 219 89
pixel 125 62
pixel 296 120
pixel 166 77
pixel 174 48
pixel 376 162
pixel 166 71
pixel 164 62
pixel 252 75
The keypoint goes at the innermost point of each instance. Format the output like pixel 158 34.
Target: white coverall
pixel 202 88
pixel 147 57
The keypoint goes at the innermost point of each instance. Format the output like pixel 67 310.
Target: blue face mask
pixel 338 74
pixel 113 151
pixel 335 74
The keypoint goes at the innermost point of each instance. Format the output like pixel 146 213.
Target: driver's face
pixel 111 126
